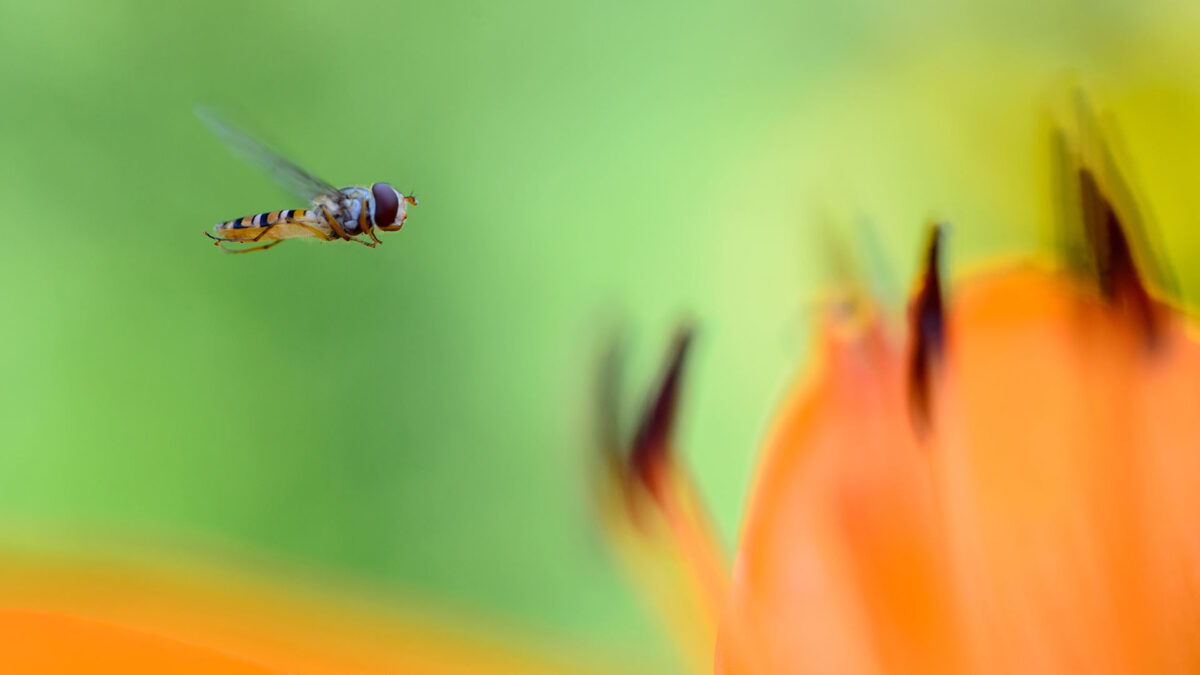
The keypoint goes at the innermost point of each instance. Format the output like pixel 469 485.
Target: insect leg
pixel 260 247
pixel 217 239
pixel 251 239
pixel 364 223
pixel 334 224
pixel 265 230
pixel 337 228
pixel 317 233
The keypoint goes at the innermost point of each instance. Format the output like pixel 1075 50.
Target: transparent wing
pixel 293 179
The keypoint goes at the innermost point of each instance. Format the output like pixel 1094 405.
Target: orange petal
pixel 838 570
pixel 47 643
pixel 206 621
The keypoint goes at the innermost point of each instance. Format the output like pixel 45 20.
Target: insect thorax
pixel 345 206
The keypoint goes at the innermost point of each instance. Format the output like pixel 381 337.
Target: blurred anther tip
pixel 928 326
pixel 1107 239
pixel 652 443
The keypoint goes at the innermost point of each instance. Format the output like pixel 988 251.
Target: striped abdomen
pixel 263 219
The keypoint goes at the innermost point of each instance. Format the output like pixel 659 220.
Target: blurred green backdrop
pixel 415 417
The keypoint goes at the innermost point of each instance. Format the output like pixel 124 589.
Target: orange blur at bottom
pixel 47 643
pixel 97 615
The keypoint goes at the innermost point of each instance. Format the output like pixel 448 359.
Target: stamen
pixel 1105 238
pixel 928 326
pixel 1116 271
pixel 653 440
pixel 655 518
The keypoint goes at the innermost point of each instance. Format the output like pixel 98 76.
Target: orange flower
pixel 1011 485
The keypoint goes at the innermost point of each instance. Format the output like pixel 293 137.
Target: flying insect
pixel 335 214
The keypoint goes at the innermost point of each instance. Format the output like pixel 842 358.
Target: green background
pixel 416 417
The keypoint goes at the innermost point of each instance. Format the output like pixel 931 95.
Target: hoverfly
pixel 343 214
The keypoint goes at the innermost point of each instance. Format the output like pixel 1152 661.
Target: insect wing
pixel 291 177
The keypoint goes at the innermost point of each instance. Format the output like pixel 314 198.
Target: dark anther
pixel 928 324
pixel 652 442
pixel 1108 245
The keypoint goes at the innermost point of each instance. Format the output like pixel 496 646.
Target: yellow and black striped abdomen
pixel 276 225
pixel 263 219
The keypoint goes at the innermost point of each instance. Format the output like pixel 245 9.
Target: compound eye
pixel 387 204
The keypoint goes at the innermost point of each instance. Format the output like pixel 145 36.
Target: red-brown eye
pixel 387 204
